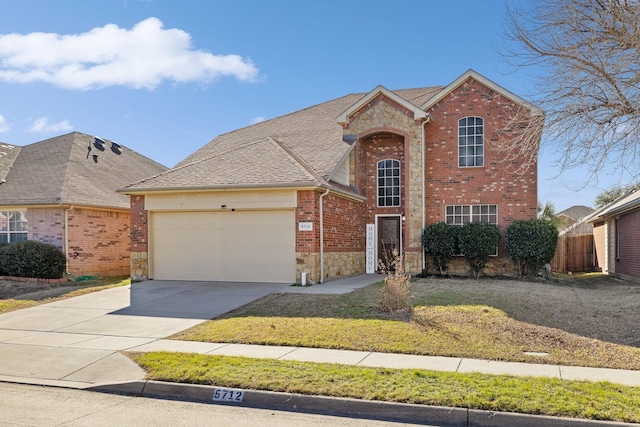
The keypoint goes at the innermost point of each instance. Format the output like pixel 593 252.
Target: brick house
pixel 327 190
pixel 62 191
pixel 616 233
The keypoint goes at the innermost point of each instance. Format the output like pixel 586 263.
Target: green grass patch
pixel 540 396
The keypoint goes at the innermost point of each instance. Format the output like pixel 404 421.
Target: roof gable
pixel 471 74
pixel 418 113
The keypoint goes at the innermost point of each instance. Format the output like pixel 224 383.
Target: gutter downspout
pixel 66 235
pixel 424 190
pixel 322 236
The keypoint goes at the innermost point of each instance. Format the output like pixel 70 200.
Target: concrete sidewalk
pixel 397 361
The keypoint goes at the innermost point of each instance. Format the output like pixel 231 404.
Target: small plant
pixel 478 241
pixel 439 241
pixel 395 291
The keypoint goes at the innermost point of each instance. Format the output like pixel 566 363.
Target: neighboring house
pixel 616 231
pixel 328 190
pixel 62 191
pixel 573 221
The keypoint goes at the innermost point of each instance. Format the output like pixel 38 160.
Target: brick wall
pixel 629 229
pixel 344 237
pixel 308 211
pixel 139 225
pixel 46 225
pixel 495 182
pixel 98 242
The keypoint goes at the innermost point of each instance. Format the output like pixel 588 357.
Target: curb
pixel 353 408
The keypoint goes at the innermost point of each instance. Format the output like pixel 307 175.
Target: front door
pixel 388 240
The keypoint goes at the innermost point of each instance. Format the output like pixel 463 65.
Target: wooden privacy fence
pixel 574 253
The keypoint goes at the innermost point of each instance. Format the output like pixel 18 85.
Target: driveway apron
pixel 76 342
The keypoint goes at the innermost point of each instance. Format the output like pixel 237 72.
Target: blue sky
pixel 172 75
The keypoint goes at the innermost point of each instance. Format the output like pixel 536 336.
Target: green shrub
pixel 478 241
pixel 3 245
pixel 439 241
pixel 531 244
pixel 33 259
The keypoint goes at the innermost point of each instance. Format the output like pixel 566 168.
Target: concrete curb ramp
pixel 366 409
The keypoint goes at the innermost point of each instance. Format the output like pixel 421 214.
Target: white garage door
pixel 242 246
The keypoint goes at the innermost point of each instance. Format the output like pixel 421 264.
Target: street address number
pixel 228 395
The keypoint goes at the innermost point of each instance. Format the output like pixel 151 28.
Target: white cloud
pixel 257 120
pixel 42 125
pixel 4 127
pixel 142 57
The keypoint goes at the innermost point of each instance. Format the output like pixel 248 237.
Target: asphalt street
pixel 29 405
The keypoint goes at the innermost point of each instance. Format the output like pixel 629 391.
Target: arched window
pixel 388 183
pixel 471 141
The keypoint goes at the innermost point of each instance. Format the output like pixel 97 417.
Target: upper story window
pixel 471 141
pixel 13 226
pixel 388 183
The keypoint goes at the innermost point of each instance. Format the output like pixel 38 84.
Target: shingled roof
pixel 62 170
pixel 297 149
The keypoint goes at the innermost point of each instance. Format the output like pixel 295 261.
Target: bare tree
pixel 585 55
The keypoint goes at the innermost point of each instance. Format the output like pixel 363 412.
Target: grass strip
pixel 539 396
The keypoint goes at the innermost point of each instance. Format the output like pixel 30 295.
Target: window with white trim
pixel 388 183
pixel 459 215
pixel 13 226
pixel 471 142
pixel 462 214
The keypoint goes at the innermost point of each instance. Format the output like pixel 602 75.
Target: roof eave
pixel 140 191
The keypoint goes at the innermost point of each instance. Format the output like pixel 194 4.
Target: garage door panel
pixel 225 246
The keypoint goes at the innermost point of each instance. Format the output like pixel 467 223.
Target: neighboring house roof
pixel 62 170
pixel 623 204
pixel 575 212
pixel 8 154
pixel 574 221
pixel 311 141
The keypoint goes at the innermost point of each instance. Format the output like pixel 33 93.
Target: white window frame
pixel 463 214
pixel 389 186
pixel 470 142
pixel 13 228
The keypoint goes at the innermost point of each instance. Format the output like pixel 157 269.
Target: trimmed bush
pixel 531 244
pixel 32 259
pixel 3 246
pixel 478 241
pixel 439 241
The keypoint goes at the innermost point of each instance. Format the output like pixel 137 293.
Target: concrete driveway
pixel 76 342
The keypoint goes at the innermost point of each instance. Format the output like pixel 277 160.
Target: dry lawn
pixel 586 320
